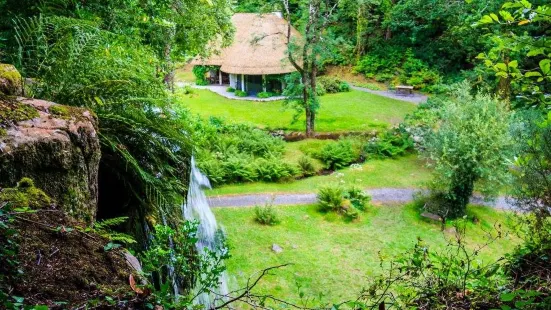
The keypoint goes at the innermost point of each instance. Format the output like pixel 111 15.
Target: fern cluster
pixel 75 63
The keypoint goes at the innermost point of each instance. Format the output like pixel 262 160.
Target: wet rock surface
pixel 54 145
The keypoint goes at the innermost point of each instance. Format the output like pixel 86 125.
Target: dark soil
pixel 63 267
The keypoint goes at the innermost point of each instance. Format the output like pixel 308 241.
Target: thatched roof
pixel 259 46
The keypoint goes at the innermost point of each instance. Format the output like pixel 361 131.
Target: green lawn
pixel 333 257
pixel 398 173
pixel 351 111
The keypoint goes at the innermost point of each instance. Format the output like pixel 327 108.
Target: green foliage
pixel 240 93
pixel 332 85
pixel 330 198
pixel 264 94
pixel 81 65
pixel 230 89
pixel 345 201
pixel 266 215
pixel 519 57
pixel 397 67
pixel 338 155
pixel 106 228
pixel 469 145
pixel 200 73
pixel 390 144
pixel 25 195
pixel 176 249
pixel 532 173
pixel 424 278
pixel 239 153
pixel 15 202
pixel 358 198
pixel 306 165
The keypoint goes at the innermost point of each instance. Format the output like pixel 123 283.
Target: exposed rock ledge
pixel 56 146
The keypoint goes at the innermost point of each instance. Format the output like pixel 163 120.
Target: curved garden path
pixel 379 195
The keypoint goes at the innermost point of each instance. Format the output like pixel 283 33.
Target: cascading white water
pixel 197 208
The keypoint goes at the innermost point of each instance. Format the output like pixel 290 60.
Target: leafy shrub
pixel 344 87
pixel 358 198
pixel 347 202
pixel 264 94
pixel 332 84
pixel 338 155
pixel 306 165
pixel 187 90
pixel 392 65
pixel 230 89
pixel 330 198
pixel 392 143
pixel 200 73
pixel 274 169
pixel 240 93
pixel 266 215
pixel 320 89
pixel 240 153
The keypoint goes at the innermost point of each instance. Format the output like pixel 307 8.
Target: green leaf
pixel 486 19
pixel 532 74
pixel 536 52
pixel 545 65
pixel 513 64
pixel 494 17
pixel 506 16
pixel 500 66
pixel 507 296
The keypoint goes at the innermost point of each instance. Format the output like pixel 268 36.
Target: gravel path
pixel 379 195
pixel 416 98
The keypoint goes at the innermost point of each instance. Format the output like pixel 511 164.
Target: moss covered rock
pixel 10 81
pixel 25 195
pixel 59 151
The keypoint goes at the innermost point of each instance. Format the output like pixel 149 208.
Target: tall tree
pixel 306 54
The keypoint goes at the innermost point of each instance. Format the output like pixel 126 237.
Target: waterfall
pixel 197 208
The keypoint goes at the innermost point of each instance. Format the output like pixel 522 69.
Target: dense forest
pixel 103 147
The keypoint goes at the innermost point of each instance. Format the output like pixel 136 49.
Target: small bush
pixel 358 198
pixel 274 169
pixel 344 87
pixel 393 143
pixel 264 94
pixel 330 198
pixel 266 215
pixel 230 89
pixel 320 89
pixel 347 202
pixel 306 165
pixel 338 155
pixel 333 85
pixel 240 93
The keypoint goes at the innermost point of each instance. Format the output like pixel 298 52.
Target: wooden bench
pixel 404 90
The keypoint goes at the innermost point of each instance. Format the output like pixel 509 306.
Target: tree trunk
pixel 307 106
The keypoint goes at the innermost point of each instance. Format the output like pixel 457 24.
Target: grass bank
pixel 403 172
pixel 350 111
pixel 334 258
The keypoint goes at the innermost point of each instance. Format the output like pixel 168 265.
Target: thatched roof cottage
pixel 257 59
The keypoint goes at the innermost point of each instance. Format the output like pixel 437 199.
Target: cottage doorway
pixel 254 84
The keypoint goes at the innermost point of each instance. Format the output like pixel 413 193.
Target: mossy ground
pixel 12 111
pixel 25 195
pixel 59 265
pixel 10 80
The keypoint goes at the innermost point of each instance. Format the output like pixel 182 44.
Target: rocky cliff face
pixel 56 146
